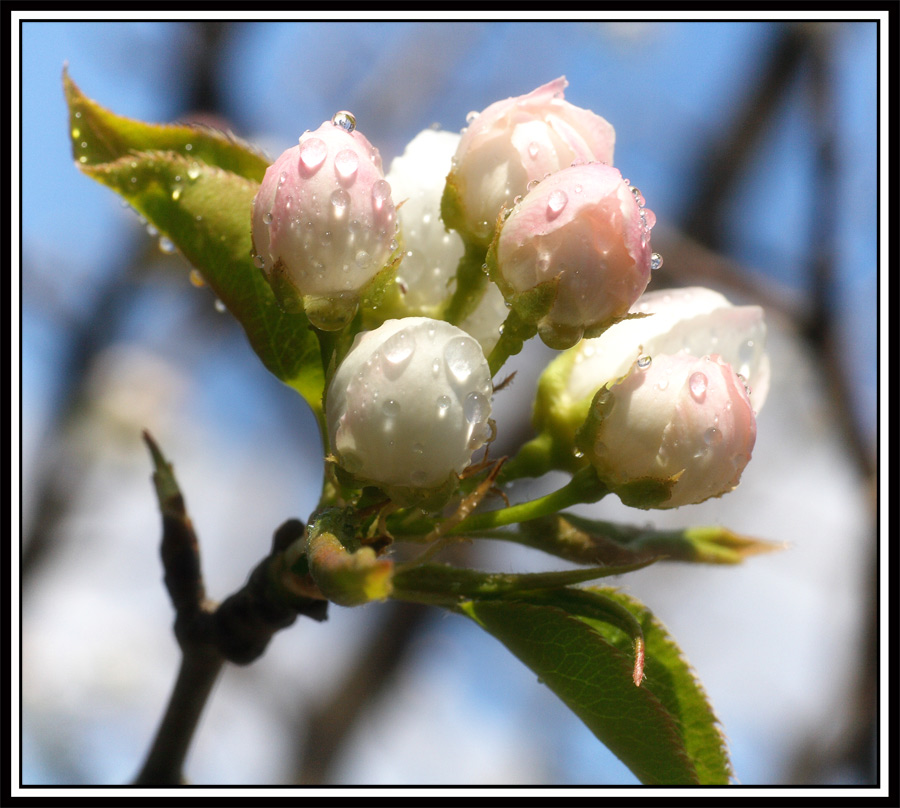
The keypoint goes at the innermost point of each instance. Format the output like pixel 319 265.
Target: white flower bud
pixel 408 406
pixel 431 253
pixel 692 320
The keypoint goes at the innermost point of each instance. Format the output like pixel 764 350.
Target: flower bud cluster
pixel 520 221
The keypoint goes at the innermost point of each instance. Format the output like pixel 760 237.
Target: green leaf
pixel 443 583
pixel 203 206
pixel 670 679
pixel 592 541
pixel 707 544
pixel 594 679
pixel 100 136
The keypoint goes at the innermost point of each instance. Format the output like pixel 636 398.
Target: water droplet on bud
pixel 476 408
pixel 556 202
pixel 340 199
pixel 346 164
pixel 313 153
pixel 656 261
pixel 381 192
pixel 346 120
pixel 697 384
pixel 644 362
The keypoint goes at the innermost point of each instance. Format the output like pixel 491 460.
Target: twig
pixel 208 634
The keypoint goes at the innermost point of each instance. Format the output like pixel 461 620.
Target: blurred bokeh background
pixel 755 145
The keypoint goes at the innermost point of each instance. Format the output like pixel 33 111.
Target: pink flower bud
pixel 513 142
pixel 583 230
pixel 323 218
pixel 678 418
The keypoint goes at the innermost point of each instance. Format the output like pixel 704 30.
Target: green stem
pixel 512 339
pixel 583 487
pixel 532 460
pixel 471 282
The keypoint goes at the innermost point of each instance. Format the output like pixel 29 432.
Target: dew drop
pixel 220 306
pixel 193 172
pixel 176 194
pixel 556 202
pixel 313 153
pixel 268 218
pixel 340 199
pixel 418 448
pixel 391 408
pixel 166 245
pixel 712 436
pixel 533 150
pixel 196 278
pixel 381 192
pixel 258 261
pixel 697 384
pixel 443 404
pixel 577 453
pixel 346 164
pixel 662 384
pixel 638 196
pixel 476 408
pixel 363 259
pixel 462 355
pixel 84 159
pixel 644 362
pixel 152 231
pixel 397 351
pixel 346 120
pixel 656 261
pixel 648 218
pixel 436 368
pixel 188 147
pixel 471 116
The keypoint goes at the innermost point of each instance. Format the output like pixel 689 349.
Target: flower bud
pixel 694 320
pixel 324 224
pixel 682 421
pixel 574 253
pixel 408 405
pixel 511 143
pixel 431 254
